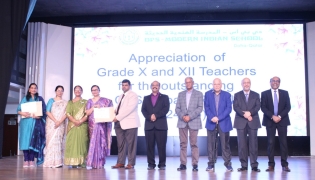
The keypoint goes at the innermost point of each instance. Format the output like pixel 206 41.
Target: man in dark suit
pixel 218 107
pixel 275 104
pixel 246 105
pixel 154 109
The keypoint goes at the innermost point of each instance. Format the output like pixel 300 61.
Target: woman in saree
pixel 100 133
pixel 32 129
pixel 77 131
pixel 55 129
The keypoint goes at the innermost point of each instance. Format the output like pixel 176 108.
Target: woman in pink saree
pixel 100 133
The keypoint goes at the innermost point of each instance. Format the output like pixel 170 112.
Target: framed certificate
pixel 33 108
pixel 104 114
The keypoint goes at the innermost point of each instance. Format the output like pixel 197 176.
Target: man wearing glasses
pixel 275 104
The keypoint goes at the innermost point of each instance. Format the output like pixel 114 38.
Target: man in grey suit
pixel 246 105
pixel 188 108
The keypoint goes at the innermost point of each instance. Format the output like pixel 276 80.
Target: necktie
pixel 119 104
pixel 246 95
pixel 275 103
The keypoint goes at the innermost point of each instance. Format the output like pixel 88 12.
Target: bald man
pixel 154 109
pixel 218 106
pixel 275 104
pixel 246 105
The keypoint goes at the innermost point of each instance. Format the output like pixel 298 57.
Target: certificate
pixel 32 108
pixel 104 114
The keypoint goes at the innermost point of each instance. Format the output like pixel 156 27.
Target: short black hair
pixel 126 81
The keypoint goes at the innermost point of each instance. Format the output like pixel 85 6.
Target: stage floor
pixel 302 168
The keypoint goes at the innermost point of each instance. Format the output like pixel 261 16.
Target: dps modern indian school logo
pixel 129 36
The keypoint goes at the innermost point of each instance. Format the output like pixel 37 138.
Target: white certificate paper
pixel 104 114
pixel 33 108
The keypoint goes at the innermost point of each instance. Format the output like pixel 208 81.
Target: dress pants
pixel 158 137
pixel 183 137
pixel 126 141
pixel 243 146
pixel 213 145
pixel 282 134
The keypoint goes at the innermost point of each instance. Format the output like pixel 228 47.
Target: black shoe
pixel 162 167
pixel 195 168
pixel 255 169
pixel 181 167
pixel 242 169
pixel 286 168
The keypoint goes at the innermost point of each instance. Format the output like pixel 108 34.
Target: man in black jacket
pixel 154 109
pixel 275 104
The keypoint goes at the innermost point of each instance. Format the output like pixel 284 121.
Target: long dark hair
pixel 28 95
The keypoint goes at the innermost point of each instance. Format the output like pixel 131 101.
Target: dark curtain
pixel 13 16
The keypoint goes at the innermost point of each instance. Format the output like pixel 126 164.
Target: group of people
pixel 82 142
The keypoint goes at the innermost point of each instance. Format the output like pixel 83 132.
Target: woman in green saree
pixel 77 131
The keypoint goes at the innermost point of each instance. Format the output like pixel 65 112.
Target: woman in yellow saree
pixel 77 131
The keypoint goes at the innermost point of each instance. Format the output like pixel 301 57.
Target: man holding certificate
pixel 154 109
pixel 126 126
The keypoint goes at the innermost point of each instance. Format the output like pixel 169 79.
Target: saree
pixel 32 132
pixel 55 137
pixel 77 137
pixel 100 136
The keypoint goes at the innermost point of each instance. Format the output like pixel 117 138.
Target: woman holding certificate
pixel 100 132
pixel 77 131
pixel 32 108
pixel 55 129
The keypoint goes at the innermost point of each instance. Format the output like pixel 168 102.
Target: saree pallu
pixel 77 137
pixel 100 136
pixel 38 140
pixel 55 137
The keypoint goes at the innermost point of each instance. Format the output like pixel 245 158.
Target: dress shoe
pixel 210 168
pixel 162 168
pixel 270 168
pixel 150 168
pixel 242 169
pixel 286 168
pixel 229 168
pixel 255 169
pixel 129 166
pixel 118 166
pixel 181 167
pixel 195 168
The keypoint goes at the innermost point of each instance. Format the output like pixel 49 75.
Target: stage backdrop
pixel 106 55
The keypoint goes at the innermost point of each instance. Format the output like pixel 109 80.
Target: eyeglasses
pixel 94 89
pixel 59 91
pixel 275 81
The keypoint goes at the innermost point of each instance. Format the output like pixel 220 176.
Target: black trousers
pixel 158 137
pixel 282 134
